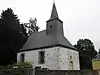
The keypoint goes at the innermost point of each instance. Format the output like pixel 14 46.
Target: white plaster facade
pixel 56 58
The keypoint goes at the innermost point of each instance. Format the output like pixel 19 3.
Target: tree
pixel 86 53
pixel 10 20
pixel 31 27
pixel 24 30
pixel 11 37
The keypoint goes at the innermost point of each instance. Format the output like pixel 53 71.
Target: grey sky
pixel 81 17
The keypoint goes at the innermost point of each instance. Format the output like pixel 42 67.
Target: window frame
pixel 22 57
pixel 41 59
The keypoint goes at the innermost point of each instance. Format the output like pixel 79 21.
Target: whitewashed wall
pixel 64 58
pixel 50 57
pixel 56 58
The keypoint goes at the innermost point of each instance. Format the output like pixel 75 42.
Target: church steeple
pixel 54 13
pixel 54 24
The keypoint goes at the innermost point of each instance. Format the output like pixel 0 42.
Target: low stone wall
pixel 66 72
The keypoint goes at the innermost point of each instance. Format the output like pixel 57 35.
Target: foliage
pixel 24 64
pixel 17 68
pixel 86 53
pixel 31 27
pixel 12 37
pixel 24 30
pixel 9 19
pixel 18 65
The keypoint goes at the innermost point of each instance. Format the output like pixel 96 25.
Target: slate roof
pixel 54 12
pixel 40 40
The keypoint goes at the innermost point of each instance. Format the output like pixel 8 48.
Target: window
pixel 50 26
pixel 71 62
pixel 70 57
pixel 22 58
pixel 70 65
pixel 41 57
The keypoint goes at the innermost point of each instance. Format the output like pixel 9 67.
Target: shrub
pixel 24 64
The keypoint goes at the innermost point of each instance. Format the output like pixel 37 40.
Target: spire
pixel 54 13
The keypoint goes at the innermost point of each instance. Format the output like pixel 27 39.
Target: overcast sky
pixel 81 18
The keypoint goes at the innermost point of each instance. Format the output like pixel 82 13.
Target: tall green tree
pixel 31 27
pixel 12 37
pixel 86 53
pixel 10 20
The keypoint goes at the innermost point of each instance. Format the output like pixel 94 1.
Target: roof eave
pixel 46 47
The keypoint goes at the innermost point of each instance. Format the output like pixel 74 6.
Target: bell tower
pixel 54 24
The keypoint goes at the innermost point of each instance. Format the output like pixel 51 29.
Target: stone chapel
pixel 50 48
